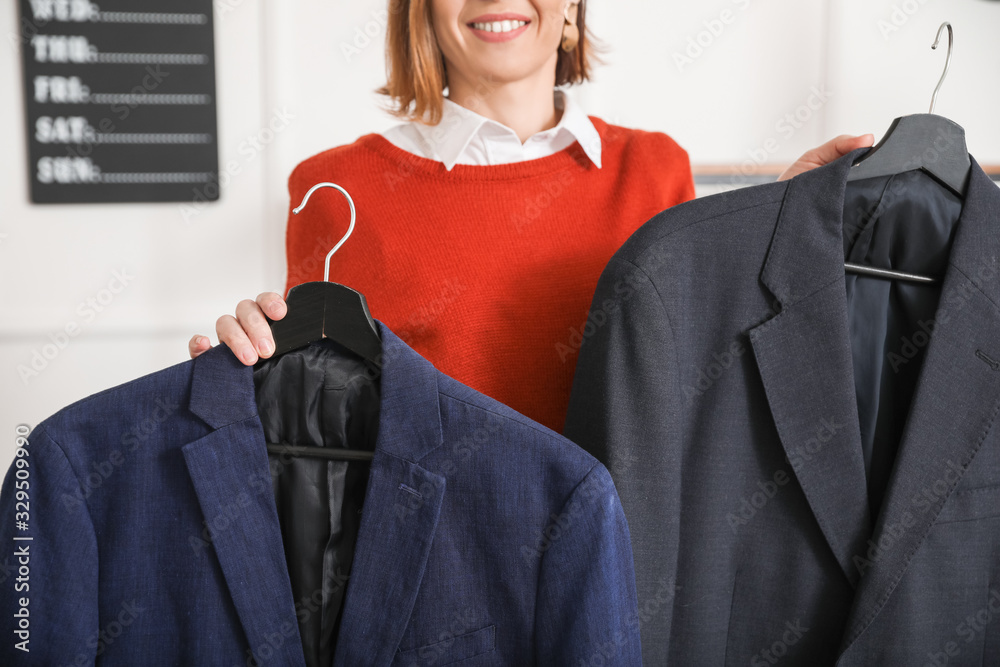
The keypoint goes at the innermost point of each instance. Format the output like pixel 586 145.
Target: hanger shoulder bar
pixel 321 452
pixel 892 275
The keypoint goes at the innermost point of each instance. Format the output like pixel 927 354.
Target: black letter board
pixel 120 100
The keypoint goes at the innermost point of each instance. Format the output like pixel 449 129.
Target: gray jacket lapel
pixel 804 358
pixel 955 406
pixel 229 470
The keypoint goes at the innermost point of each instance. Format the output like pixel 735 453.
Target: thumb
pixel 198 345
pixel 846 143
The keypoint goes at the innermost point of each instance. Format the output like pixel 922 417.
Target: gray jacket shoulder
pixel 683 224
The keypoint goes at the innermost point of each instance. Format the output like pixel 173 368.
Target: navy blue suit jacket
pixel 485 538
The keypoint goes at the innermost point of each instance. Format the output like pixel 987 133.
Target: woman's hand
pixel 828 152
pixel 247 334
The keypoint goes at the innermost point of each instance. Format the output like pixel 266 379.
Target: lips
pixel 498 27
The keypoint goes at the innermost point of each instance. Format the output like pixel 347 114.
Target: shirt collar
pixel 460 125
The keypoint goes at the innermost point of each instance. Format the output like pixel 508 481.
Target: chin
pixel 506 72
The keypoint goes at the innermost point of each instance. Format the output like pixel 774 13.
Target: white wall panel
pixel 719 76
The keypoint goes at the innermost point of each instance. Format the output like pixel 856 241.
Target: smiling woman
pixel 485 219
pixel 453 47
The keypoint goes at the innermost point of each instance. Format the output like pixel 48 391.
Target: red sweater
pixel 486 271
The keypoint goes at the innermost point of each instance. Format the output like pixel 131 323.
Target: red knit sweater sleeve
pixel 665 158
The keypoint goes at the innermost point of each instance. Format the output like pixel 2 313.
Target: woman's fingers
pixel 198 345
pixel 828 152
pixel 232 333
pixel 248 334
pixel 272 304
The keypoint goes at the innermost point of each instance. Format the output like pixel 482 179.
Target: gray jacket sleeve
pixel 624 409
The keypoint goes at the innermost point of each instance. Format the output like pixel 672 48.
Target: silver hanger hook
pixel 947 62
pixel 354 215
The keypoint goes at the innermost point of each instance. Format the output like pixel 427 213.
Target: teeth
pixel 499 26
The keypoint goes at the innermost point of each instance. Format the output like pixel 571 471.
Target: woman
pixel 485 221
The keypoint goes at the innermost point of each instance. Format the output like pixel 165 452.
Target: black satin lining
pixel 904 222
pixel 318 396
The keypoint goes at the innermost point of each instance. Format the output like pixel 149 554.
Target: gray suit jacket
pixel 715 382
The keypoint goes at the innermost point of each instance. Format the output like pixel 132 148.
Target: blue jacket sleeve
pixel 48 561
pixel 587 606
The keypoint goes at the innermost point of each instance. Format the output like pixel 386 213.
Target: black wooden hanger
pixel 318 310
pixel 919 141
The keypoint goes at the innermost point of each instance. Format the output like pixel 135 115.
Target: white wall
pixel 760 62
pixel 180 271
pixel 883 63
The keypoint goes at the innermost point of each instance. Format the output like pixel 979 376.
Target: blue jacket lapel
pixel 401 509
pixel 229 470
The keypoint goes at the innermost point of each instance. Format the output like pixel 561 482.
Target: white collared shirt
pixel 465 137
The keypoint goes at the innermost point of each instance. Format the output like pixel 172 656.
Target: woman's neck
pixel 526 106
